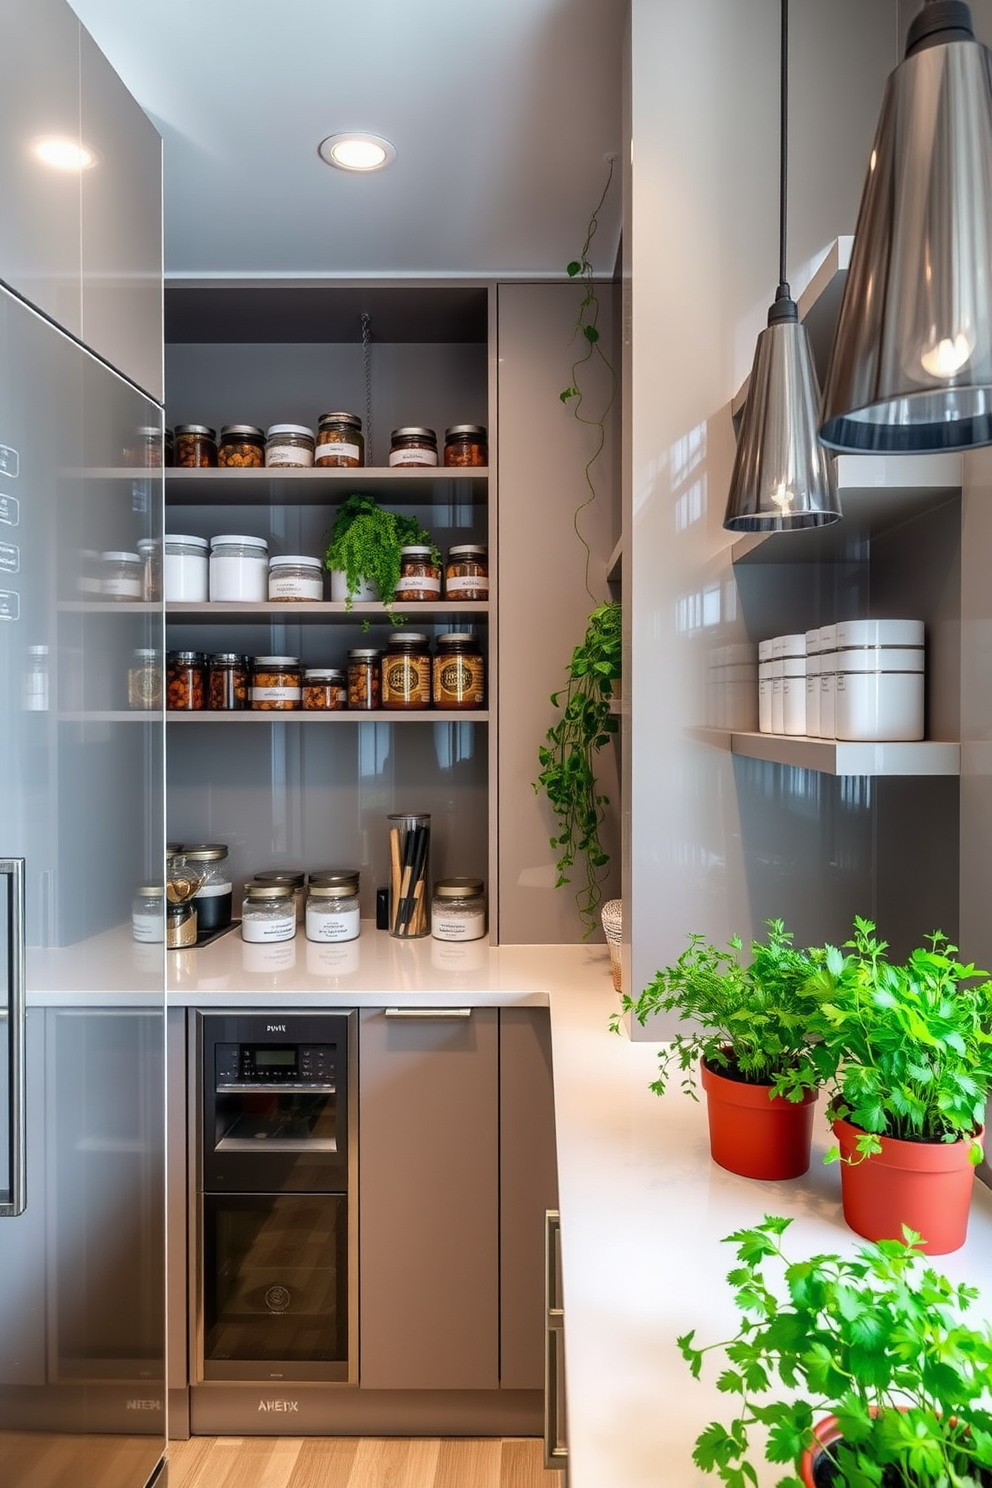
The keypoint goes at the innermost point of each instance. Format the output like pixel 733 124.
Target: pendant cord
pixel 783 200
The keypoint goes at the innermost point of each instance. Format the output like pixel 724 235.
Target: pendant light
pixel 911 365
pixel 782 478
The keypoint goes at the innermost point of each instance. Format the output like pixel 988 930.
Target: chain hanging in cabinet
pixel 367 367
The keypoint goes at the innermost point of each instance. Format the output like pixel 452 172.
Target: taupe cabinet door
pixel 429 1195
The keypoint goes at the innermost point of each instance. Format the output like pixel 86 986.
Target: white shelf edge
pixel 320 609
pixel 838 756
pixel 330 715
pixel 262 473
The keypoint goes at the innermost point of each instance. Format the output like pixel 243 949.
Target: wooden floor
pixel 358 1462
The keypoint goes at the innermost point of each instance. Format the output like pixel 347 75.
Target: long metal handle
pixel 555 1454
pixel 428 1012
pixel 13 868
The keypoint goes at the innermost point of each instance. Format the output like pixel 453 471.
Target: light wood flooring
pixel 358 1462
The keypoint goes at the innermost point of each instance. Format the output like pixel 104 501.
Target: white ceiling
pixel 502 115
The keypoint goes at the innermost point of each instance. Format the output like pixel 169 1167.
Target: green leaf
pixel 591 334
pixel 574 268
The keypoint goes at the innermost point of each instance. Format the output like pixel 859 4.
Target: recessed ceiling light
pixel 64 154
pixel 356 152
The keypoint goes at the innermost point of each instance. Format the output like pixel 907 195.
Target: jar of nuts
pixel 459 675
pixel 185 679
pixel 196 447
pixel 339 440
pixel 406 671
pixel 324 690
pixel 276 683
pixel 413 446
pixel 465 444
pixel 420 576
pixel 363 679
pixel 466 574
pixel 242 447
pixel 227 682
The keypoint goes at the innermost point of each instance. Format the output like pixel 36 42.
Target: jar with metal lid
pixel 242 447
pixel 295 578
pixel 406 671
pixel 185 680
pixel 333 911
pixel 458 909
pixel 465 444
pixel 268 912
pixel 196 447
pixel 466 573
pixel 413 446
pixel 292 879
pixel 214 896
pixel 148 913
pixel 150 553
pixel 185 568
pixel 363 679
pixel 180 925
pixel 276 683
pixel 122 576
pixel 324 690
pixel 459 671
pixel 239 568
pixel 420 576
pixel 227 682
pixel 144 680
pixel 336 875
pixel 289 446
pixel 146 451
pixel 340 441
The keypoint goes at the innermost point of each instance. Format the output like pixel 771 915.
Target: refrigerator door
pixel 82 1336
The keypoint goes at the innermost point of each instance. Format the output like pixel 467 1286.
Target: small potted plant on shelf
pixel 364 553
pixel 906 1054
pixel 748 1036
pixel 879 1340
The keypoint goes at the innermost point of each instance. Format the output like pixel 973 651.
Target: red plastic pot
pixel 754 1133
pixel 826 1432
pixel 925 1185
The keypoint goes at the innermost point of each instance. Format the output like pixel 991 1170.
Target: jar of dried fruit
pixel 242 447
pixel 420 576
pixel 339 441
pixel 465 444
pixel 276 683
pixel 196 446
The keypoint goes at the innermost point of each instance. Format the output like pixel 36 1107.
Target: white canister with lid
pixel 794 696
pixel 880 694
pixel 878 633
pixel 765 697
pixel 184 568
pixel 813 665
pixel 792 645
pixel 778 697
pixel 828 670
pixel 239 568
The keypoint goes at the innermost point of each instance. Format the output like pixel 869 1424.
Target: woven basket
pixel 612 917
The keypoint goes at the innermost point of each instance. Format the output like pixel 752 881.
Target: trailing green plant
pixel 748 1022
pixel 365 544
pixel 905 1050
pixel 568 773
pixel 877 1338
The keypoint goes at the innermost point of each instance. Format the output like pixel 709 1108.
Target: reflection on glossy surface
pixel 458 956
pixel 268 960
pixel 333 960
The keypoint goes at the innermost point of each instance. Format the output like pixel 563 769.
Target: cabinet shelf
pixel 837 756
pixel 445 485
pixel 301 715
pixel 334 611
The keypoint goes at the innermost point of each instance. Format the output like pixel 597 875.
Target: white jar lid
pixel 183 537
pixel 828 637
pixel 880 633
pixel 813 641
pixel 296 560
pixel 244 539
pixel 121 557
pixel 766 650
pixel 274 430
pixel 792 645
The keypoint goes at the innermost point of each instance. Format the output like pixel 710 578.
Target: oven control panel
pixel 285 1066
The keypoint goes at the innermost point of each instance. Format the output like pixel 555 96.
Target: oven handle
pixel 16 1016
pixel 428 1012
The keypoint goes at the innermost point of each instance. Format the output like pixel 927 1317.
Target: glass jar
pixel 276 683
pixel 122 576
pixel 214 896
pixel 227 682
pixel 239 568
pixel 185 680
pixel 180 925
pixel 458 909
pixel 340 441
pixel 148 914
pixel 465 444
pixel 288 878
pixel 324 690
pixel 146 451
pixel 466 573
pixel 196 447
pixel 150 553
pixel 144 680
pixel 409 864
pixel 295 577
pixel 333 912
pixel 185 568
pixel 406 671
pixel 413 446
pixel 34 684
pixel 459 671
pixel 242 447
pixel 325 876
pixel 420 576
pixel 268 912
pixel 289 446
pixel 363 679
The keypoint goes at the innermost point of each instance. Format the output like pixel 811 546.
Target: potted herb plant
pixel 906 1054
pixel 748 1036
pixel 365 547
pixel 879 1340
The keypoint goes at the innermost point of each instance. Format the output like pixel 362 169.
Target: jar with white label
pixel 276 684
pixel 413 446
pixel 122 576
pixel 339 441
pixel 213 897
pixel 466 574
pixel 239 568
pixel 420 575
pixel 333 912
pixel 185 568
pixel 458 909
pixel 294 577
pixel 289 446
pixel 148 914
pixel 268 912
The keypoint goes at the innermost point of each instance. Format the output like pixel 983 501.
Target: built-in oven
pixel 276 1234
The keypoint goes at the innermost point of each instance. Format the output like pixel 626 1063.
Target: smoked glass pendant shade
pixel 911 366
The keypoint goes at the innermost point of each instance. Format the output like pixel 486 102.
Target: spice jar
pixel 147 449
pixel 289 446
pixel 144 680
pixel 242 447
pixel 420 576
pixel 458 909
pixel 227 682
pixel 150 553
pixel 122 576
pixel 296 882
pixel 333 911
pixel 413 446
pixel 295 577
pixel 147 916
pixel 406 671
pixel 324 689
pixel 213 898
pixel 466 573
pixel 336 875
pixel 180 925
pixel 339 440
pixel 196 447
pixel 276 683
pixel 185 568
pixel 239 568
pixel 459 672
pixel 185 679
pixel 268 912
pixel 363 679
pixel 465 444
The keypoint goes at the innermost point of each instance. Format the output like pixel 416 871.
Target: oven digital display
pixel 273 1058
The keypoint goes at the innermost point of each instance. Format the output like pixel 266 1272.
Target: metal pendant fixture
pixel 782 478
pixel 911 366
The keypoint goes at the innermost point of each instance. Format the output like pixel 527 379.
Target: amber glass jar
pixel 363 679
pixel 459 672
pixel 242 447
pixel 465 444
pixel 227 682
pixel 324 690
pixel 276 683
pixel 406 671
pixel 340 441
pixel 466 573
pixel 420 576
pixel 413 446
pixel 185 680
pixel 196 447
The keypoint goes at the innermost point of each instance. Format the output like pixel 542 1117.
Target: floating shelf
pixel 837 756
pixel 114 715
pixel 308 716
pixel 445 485
pixel 334 611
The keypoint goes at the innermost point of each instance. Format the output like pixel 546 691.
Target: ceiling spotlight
pixel 64 154
pixel 356 152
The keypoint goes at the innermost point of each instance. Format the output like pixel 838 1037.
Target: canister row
pixel 860 680
pixel 338 442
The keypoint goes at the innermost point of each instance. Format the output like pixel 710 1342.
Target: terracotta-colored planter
pixel 755 1134
pixel 826 1432
pixel 926 1185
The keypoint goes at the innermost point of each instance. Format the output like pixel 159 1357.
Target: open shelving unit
pixel 838 756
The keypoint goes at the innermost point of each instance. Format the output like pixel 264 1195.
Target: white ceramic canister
pixel 813 665
pixel 365 592
pixel 766 650
pixel 828 671
pixel 880 694
pixel 879 633
pixel 239 568
pixel 778 697
pixel 184 568
pixel 794 696
pixel 765 697
pixel 792 645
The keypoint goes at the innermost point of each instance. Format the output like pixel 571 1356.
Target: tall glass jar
pixel 459 673
pixel 196 447
pixel 406 671
pixel 213 897
pixel 363 679
pixel 268 912
pixel 409 875
pixel 339 441
pixel 150 553
pixel 333 912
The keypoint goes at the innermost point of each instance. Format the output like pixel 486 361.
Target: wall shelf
pixel 445 485
pixel 334 611
pixel 837 756
pixel 343 715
